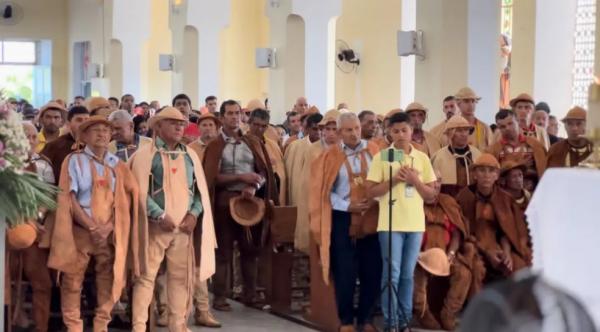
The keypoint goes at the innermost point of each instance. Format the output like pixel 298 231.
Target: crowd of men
pixel 156 197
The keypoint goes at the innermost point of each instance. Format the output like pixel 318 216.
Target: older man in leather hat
pixel 96 217
pixel 173 196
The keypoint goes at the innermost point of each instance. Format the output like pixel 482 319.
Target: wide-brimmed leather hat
pixel 458 121
pixel 330 116
pixel 53 105
pixel 466 93
pixel 575 113
pixel 96 103
pixel 255 104
pixel 416 107
pixel 392 112
pixel 167 113
pixel 522 97
pixel 510 164
pixel 486 160
pixel 93 120
pixel 21 236
pixel 209 116
pixel 247 211
pixel 435 261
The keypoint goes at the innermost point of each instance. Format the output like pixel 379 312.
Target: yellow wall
pixel 248 29
pixel 45 19
pixel 158 83
pixel 369 27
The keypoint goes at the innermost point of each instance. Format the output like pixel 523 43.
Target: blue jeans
pixel 405 251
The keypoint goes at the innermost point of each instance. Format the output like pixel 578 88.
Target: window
pixel 506 18
pixel 18 52
pixel 585 42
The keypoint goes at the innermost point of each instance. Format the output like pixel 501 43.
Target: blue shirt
pixel 340 192
pixel 81 177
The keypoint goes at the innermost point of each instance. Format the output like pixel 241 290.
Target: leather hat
pixel 93 120
pixel 466 93
pixel 53 105
pixel 392 112
pixel 575 113
pixel 254 104
pixel 522 97
pixel 167 113
pixel 458 121
pixel 21 236
pixel 330 116
pixel 416 107
pixel 247 211
pixel 435 261
pixel 209 116
pixel 486 160
pixel 95 103
pixel 510 164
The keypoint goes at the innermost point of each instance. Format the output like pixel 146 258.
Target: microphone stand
pixel 389 285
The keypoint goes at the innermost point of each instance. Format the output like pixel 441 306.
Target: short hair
pixel 79 97
pixel 114 99
pixel 209 98
pixel 260 113
pixel 291 114
pixel 313 119
pixel 449 98
pixel 503 114
pixel 364 113
pixel 120 115
pixel 399 117
pixel 77 110
pixel 229 102
pixel 143 103
pixel 551 117
pixel 346 116
pixel 181 96
pixel 126 95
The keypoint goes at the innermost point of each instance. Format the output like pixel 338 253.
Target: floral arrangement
pixel 22 193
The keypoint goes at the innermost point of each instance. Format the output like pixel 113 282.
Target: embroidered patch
pixel 174 170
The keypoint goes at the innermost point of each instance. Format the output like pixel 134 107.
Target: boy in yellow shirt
pixel 412 182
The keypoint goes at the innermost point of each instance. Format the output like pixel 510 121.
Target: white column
pixel 209 17
pixel 132 33
pixel 278 13
pixel 483 55
pixel 554 43
pixel 408 22
pixel 319 17
pixel 462 49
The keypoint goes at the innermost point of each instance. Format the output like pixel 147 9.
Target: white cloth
pixel 564 218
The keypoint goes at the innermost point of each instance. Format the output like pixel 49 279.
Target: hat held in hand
pixel 247 211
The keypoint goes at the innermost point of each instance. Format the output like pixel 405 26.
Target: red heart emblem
pixel 174 170
pixel 101 182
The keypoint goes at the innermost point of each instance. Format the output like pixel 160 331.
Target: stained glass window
pixel 507 17
pixel 585 41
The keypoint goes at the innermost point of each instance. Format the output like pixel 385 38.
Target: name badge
pixel 409 191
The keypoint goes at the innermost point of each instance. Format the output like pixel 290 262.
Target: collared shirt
pixel 407 212
pixel 81 175
pixel 42 140
pixel 340 192
pixel 125 151
pixel 156 197
pixel 43 168
pixel 237 158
